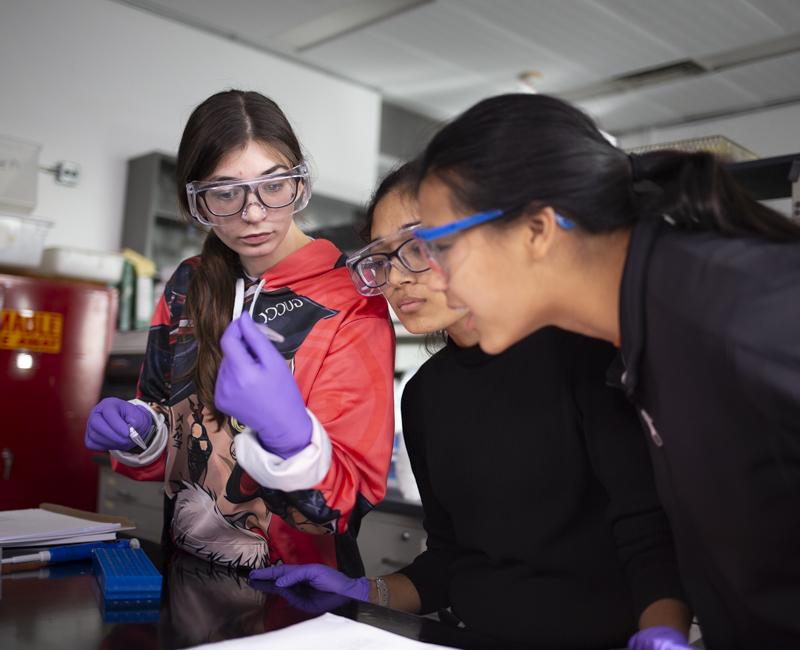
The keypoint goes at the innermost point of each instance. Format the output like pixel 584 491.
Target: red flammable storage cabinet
pixel 55 336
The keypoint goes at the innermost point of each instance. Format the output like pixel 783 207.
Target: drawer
pixel 389 542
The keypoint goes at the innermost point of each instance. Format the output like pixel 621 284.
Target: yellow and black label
pixel 33 331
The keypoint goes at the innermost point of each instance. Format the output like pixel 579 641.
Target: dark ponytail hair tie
pixel 636 167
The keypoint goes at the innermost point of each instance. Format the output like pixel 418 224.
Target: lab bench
pixel 60 607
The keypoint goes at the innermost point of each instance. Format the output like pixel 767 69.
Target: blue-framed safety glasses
pixel 371 266
pixel 438 241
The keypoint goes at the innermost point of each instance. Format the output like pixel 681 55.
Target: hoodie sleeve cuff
pixel 302 471
pixel 155 446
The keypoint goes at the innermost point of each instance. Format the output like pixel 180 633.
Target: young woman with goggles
pixel 535 536
pixel 269 452
pixel 532 219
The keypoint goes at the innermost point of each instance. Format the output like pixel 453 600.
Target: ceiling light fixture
pixel 527 81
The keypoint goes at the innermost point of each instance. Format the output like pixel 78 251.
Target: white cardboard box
pixel 96 266
pixel 21 240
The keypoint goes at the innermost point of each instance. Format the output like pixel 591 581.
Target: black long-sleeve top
pixel 543 523
pixel 711 349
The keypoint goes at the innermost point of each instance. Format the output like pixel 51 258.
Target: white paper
pixel 329 631
pixel 34 526
pixel 80 539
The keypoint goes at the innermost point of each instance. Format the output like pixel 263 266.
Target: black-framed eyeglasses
pixel 370 268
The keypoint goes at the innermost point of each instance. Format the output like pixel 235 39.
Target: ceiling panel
pixel 623 112
pixel 695 28
pixel 380 62
pixel 441 56
pixel 699 95
pixel 480 46
pixel 768 80
pixel 254 21
pixel 785 13
pixel 584 34
pixel 450 102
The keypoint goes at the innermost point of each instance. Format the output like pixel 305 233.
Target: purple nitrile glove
pixel 309 600
pixel 108 426
pixel 319 576
pixel 659 638
pixel 255 386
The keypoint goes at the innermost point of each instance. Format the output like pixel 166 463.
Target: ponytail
pixel 695 192
pixel 209 303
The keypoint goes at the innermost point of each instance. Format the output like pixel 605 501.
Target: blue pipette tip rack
pixel 126 574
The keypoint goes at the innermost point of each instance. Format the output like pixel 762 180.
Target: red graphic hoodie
pixel 223 490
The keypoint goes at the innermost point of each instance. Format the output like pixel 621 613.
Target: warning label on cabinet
pixel 33 331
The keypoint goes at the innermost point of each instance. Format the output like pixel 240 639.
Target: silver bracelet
pixel 383 592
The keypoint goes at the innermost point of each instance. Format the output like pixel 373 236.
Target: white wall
pixel 769 132
pixel 97 82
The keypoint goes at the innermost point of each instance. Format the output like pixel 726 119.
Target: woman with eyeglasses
pixel 536 535
pixel 269 452
pixel 533 219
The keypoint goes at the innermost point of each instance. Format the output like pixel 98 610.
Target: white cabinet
pixel 389 541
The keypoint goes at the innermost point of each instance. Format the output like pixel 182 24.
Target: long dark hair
pixel 522 152
pixel 222 123
pixel 402 180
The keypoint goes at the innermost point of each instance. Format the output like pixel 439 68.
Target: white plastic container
pixel 95 266
pixel 21 240
pixel 19 174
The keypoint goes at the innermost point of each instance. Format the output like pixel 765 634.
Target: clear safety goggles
pixel 440 244
pixel 214 203
pixel 371 266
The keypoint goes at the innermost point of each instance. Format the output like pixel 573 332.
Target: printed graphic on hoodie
pixel 218 512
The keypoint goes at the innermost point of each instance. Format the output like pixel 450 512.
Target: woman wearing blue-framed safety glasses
pixel 698 284
pixel 535 536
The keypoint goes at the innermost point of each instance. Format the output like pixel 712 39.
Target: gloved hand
pixel 108 425
pixel 308 600
pixel 255 386
pixel 319 576
pixel 659 638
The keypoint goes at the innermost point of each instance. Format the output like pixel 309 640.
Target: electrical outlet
pixel 67 173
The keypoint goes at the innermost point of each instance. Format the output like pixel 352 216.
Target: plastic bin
pixel 21 240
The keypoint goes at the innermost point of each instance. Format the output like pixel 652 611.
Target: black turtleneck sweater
pixel 543 523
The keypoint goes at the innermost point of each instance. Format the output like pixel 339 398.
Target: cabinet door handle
pixel 124 495
pixel 8 460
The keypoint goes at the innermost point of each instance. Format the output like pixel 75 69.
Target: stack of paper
pixel 37 527
pixel 329 631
